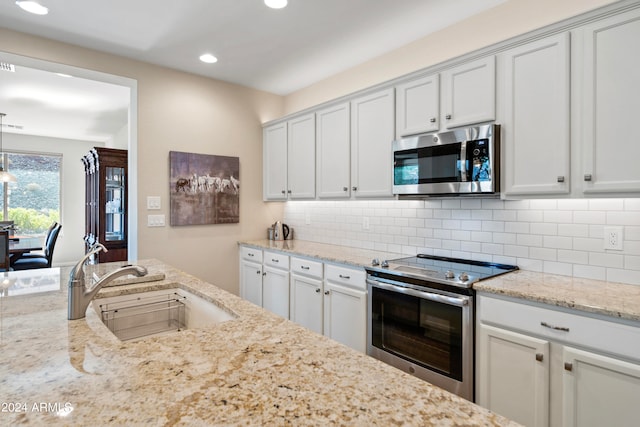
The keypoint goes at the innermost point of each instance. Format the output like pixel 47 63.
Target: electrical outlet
pixel 365 223
pixel 613 238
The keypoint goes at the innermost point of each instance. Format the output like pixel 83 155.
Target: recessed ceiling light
pixel 276 4
pixel 208 58
pixel 33 7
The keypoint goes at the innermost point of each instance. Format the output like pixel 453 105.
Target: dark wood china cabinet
pixel 106 202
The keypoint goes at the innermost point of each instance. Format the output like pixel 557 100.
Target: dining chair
pixel 4 250
pixel 33 261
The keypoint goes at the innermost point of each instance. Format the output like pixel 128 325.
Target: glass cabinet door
pixel 114 204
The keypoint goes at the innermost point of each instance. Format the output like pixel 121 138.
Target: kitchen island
pixel 258 369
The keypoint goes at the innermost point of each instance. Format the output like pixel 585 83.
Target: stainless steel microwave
pixel 464 161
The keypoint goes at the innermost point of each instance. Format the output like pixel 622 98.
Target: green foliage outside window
pixel 32 220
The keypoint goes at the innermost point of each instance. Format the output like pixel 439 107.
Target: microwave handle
pixel 463 161
pixel 455 301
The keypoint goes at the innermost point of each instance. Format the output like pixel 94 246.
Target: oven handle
pixel 455 301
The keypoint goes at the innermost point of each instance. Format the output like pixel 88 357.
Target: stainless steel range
pixel 421 317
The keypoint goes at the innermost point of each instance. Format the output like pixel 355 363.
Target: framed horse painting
pixel 204 189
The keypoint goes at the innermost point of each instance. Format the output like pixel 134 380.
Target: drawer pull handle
pixel 275 260
pixel 557 328
pixel 258 272
pixel 568 366
pixel 250 254
pixel 326 292
pixel 304 267
pixel 344 277
pixel 318 290
pixel 539 357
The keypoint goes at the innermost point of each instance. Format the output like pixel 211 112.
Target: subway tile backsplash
pixel 554 236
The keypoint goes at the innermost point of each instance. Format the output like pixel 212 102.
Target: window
pixel 33 202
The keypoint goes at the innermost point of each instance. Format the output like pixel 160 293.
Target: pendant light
pixel 4 176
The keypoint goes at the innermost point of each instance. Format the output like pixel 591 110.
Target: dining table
pixel 18 246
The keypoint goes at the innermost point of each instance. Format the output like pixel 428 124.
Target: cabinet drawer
pixel 352 277
pixel 251 254
pixel 602 335
pixel 306 267
pixel 276 259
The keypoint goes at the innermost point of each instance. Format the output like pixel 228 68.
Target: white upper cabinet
pixel 536 117
pixel 301 159
pixel 275 162
pixel 372 132
pixel 611 105
pixel 418 106
pixel 469 93
pixel 333 152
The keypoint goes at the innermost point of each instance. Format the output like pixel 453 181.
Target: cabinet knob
pixel 432 120
pixel 345 188
pixel 560 178
pixel 318 290
pixel 326 292
pixel 539 357
pixel 264 274
pixel 354 188
pixel 258 272
pixel 448 117
pixel 568 366
pixel 284 192
pixel 587 177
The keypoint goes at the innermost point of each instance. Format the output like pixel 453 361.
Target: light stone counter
pixel 594 296
pixel 258 369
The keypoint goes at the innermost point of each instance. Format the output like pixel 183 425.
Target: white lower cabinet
pixel 599 390
pixel 251 274
pixel 513 375
pixel 345 306
pixel 306 293
pixel 541 366
pixel 328 299
pixel 275 283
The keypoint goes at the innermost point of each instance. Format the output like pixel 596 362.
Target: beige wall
pixel 183 112
pixel 507 20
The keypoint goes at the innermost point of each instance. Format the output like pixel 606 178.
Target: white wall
pixel 70 245
pixel 553 236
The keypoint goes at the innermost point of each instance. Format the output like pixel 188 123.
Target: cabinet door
pixel 599 390
pixel 372 132
pixel 345 315
pixel 333 152
pixel 418 106
pixel 306 302
pixel 469 93
pixel 536 118
pixel 513 375
pixel 275 291
pixel 301 159
pixel 275 162
pixel 611 104
pixel 251 282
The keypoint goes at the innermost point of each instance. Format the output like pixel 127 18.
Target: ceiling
pixel 278 51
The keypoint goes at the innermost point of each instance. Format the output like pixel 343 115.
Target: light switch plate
pixel 153 202
pixel 155 220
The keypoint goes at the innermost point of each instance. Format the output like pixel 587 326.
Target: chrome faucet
pixel 79 295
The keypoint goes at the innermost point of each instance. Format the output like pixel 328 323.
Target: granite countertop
pixel 617 300
pixel 594 296
pixel 258 369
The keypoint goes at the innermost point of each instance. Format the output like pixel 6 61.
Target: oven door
pixel 426 333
